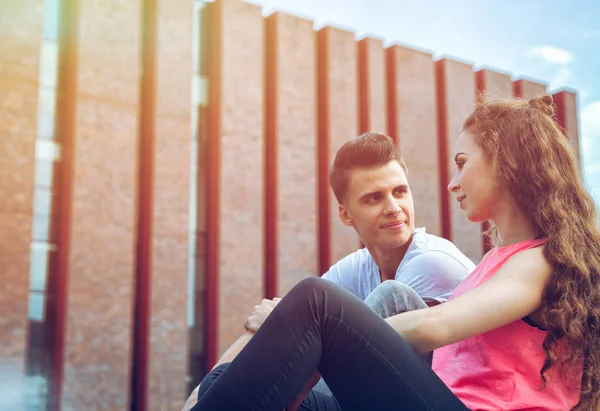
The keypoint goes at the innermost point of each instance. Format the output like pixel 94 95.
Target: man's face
pixel 379 205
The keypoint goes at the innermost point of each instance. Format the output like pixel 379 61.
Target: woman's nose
pixel 453 186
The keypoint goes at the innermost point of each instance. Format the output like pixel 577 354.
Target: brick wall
pixel 275 99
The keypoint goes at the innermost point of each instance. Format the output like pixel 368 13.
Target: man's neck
pixel 388 260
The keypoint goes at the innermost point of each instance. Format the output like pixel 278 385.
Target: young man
pixel 369 180
pixel 401 268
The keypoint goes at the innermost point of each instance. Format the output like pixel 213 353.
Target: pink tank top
pixel 500 369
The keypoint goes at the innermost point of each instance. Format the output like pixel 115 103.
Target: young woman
pixel 522 332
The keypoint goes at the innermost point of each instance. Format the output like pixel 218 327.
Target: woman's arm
pixel 514 292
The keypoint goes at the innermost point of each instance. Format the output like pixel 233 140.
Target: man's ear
pixel 345 216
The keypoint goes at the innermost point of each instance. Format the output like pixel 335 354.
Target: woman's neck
pixel 514 225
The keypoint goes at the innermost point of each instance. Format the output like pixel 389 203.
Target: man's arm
pixel 514 292
pixel 259 314
pixel 434 275
pixel 192 400
pixel 228 356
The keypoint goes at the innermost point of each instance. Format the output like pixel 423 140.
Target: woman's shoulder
pixel 529 263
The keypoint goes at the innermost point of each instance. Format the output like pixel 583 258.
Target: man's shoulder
pixel 358 257
pixel 353 272
pixel 352 264
pixel 431 248
pixel 433 266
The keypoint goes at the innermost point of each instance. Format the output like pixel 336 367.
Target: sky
pixel 550 41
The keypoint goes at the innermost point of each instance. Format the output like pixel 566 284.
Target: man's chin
pixel 389 241
pixel 398 242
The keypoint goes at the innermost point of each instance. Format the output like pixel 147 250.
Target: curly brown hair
pixel 534 158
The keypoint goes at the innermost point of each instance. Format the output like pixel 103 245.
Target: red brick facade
pixel 143 232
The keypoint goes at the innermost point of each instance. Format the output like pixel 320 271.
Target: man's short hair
pixel 369 150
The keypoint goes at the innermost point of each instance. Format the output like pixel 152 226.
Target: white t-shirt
pixel 432 266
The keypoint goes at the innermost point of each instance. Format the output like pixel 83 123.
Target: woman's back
pixel 500 369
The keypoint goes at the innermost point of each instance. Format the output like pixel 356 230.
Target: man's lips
pixel 393 224
pixel 460 198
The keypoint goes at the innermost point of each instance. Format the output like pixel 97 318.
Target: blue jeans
pixel 319 326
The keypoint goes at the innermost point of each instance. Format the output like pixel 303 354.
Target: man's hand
pixel 260 314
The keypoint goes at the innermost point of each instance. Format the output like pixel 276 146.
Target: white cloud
pixel 561 78
pixel 551 54
pixel 553 63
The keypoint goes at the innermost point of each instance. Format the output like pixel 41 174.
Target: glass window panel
pixel 41 228
pixel 49 64
pixel 195 39
pixel 36 306
pixel 46 108
pixel 51 19
pixel 37 389
pixel 47 149
pixel 43 173
pixel 191 286
pixel 202 90
pixel 42 201
pixel 195 90
pixel 38 267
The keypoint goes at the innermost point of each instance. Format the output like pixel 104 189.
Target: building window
pixel 47 152
pixel 197 364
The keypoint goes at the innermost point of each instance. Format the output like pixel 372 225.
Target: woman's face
pixel 475 181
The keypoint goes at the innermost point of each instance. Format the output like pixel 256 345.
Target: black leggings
pixel 314 401
pixel 320 326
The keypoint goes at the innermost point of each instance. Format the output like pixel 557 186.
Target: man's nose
pixel 392 206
